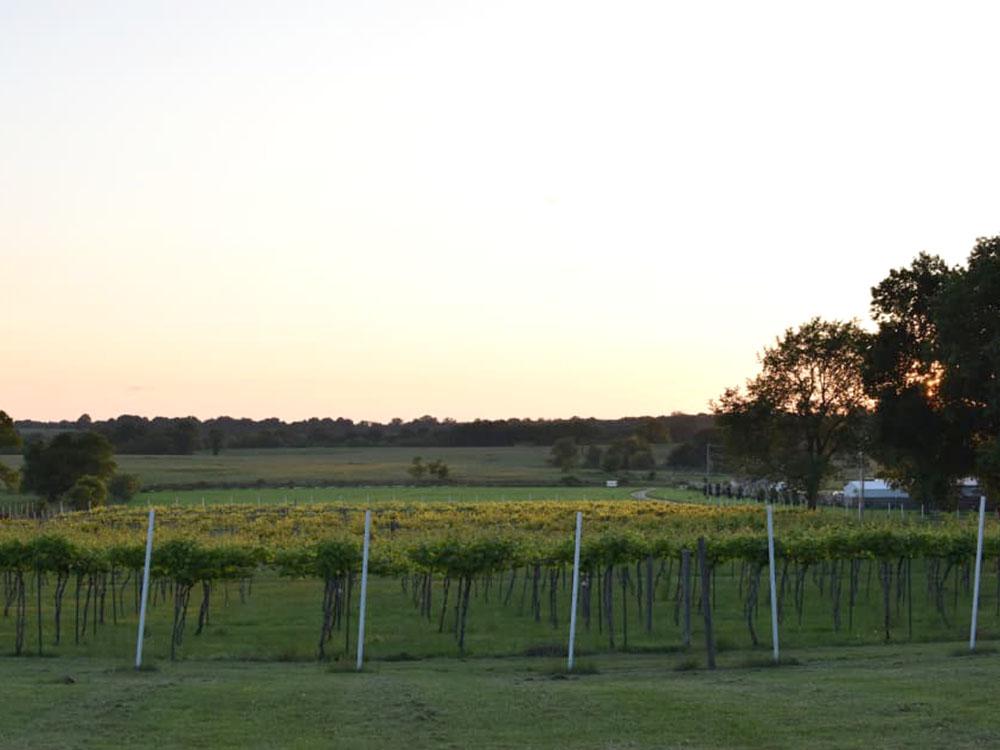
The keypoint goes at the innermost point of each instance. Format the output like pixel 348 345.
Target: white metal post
pixel 145 590
pixel 364 590
pixel 774 592
pixel 979 567
pixel 576 589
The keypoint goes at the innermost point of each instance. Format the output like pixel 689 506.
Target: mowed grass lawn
pixel 912 696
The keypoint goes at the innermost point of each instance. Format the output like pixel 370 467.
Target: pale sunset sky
pixel 467 209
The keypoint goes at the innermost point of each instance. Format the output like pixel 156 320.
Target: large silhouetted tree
pixel 805 407
pixel 934 372
pixel 968 319
pixel 920 436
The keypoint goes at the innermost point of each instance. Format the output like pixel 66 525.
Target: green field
pixel 886 697
pixel 517 465
pixel 366 474
pixel 402 493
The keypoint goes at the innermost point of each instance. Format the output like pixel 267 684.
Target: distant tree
pixel 8 433
pixel 691 453
pixel 185 436
pixel 215 439
pixel 417 468
pixel 50 470
pixel 592 458
pixel 628 453
pixel 84 422
pixel 438 469
pixel 613 460
pixel 132 434
pixel 564 454
pixel 9 439
pixel 87 492
pixel 123 487
pixel 654 430
pixel 806 407
pixel 642 461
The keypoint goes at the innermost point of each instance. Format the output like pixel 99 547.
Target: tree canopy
pixel 52 469
pixel 131 434
pixel 933 371
pixel 631 453
pixel 87 492
pixel 969 329
pixel 564 454
pixel 8 439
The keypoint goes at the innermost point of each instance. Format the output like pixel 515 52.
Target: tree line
pixel 129 434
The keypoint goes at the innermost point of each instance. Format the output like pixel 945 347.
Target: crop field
pixel 485 578
pixel 258 605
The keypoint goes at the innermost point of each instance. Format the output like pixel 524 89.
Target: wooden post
pixel 706 601
pixel 575 593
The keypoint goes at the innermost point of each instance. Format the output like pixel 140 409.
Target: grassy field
pixel 524 465
pixel 326 475
pixel 376 493
pixel 888 697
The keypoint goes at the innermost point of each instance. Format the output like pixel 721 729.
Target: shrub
pixel 123 487
pixel 88 492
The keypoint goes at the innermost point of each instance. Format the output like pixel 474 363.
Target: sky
pixel 465 209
